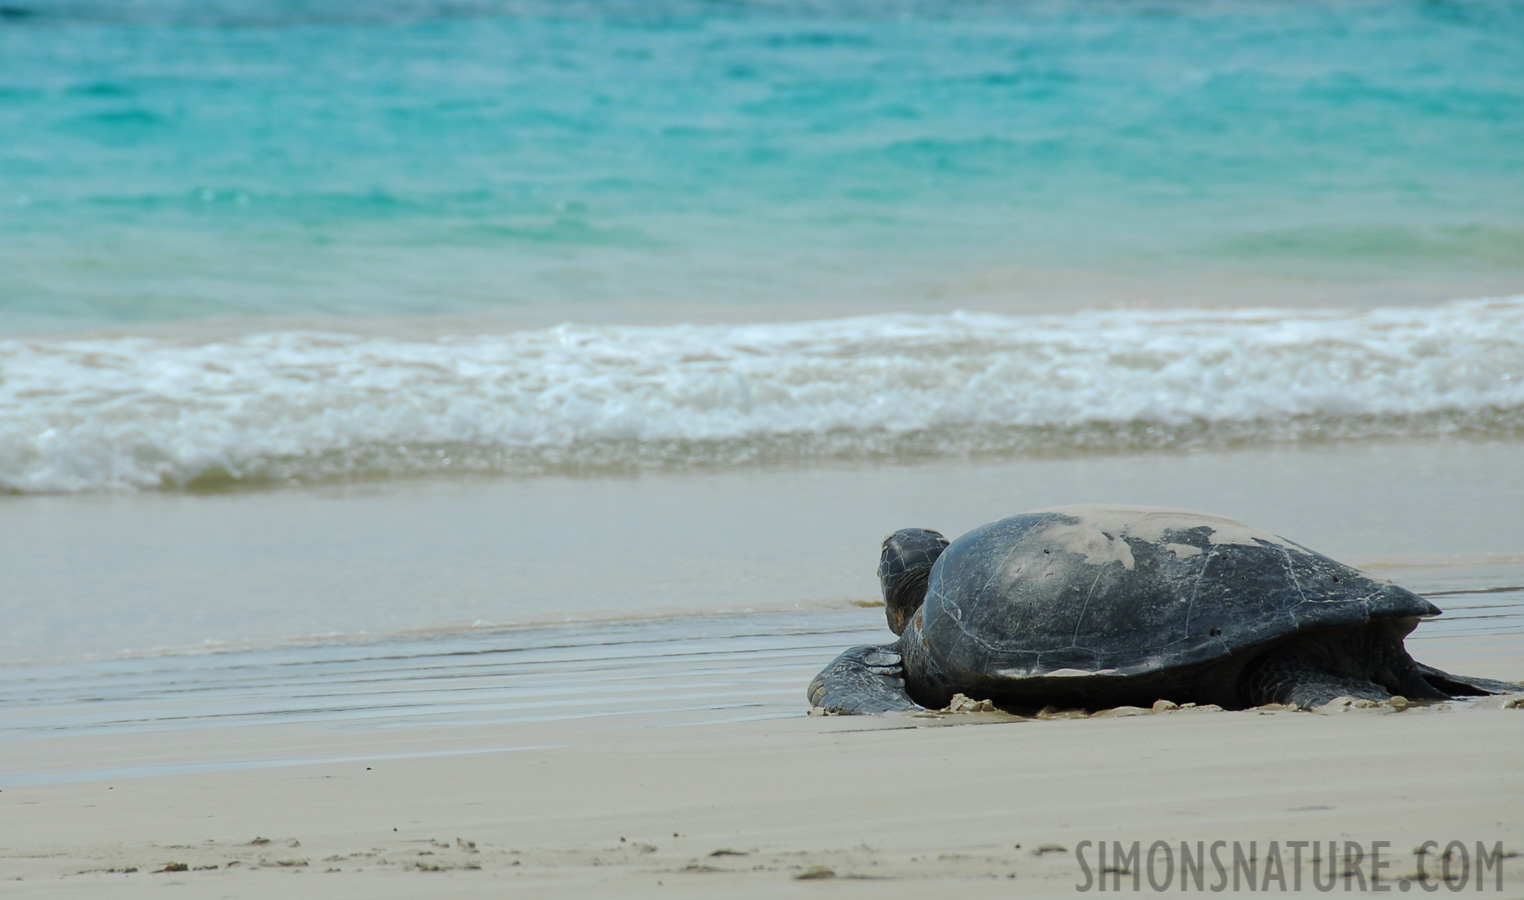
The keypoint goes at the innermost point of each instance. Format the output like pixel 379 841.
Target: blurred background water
pixel 198 187
pixel 607 160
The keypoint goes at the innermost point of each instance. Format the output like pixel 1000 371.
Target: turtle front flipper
pixel 863 681
pixel 1464 685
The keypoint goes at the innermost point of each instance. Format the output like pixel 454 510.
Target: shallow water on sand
pixel 106 576
pixel 658 600
pixel 657 673
pixel 692 671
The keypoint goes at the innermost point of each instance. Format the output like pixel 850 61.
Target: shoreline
pixel 1015 293
pixel 234 711
pixel 290 566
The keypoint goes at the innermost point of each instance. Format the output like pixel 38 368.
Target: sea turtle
pixel 1101 606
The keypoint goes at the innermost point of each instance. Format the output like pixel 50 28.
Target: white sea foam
pixel 135 413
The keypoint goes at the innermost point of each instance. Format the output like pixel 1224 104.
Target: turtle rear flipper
pixel 863 681
pixel 1290 677
pixel 1466 686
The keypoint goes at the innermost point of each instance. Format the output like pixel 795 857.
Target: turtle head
pixel 903 569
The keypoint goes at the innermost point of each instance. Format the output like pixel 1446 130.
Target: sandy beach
pixel 869 807
pixel 667 750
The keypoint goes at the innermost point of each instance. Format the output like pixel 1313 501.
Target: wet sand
pixel 142 573
pixel 663 748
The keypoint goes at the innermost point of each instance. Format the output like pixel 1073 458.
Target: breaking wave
pixel 152 413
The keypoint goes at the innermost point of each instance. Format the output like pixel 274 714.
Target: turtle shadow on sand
pixel 1103 606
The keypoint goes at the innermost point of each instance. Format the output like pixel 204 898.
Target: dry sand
pixel 971 805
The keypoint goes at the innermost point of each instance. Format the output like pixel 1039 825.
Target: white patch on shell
pixel 1077 673
pixel 1099 532
pixel 1093 543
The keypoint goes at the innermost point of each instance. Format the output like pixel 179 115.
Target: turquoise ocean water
pixel 170 160
pixel 244 243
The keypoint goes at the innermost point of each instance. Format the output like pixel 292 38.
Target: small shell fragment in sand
pixel 961 703
pixel 1119 712
pixel 1351 704
pixel 815 873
